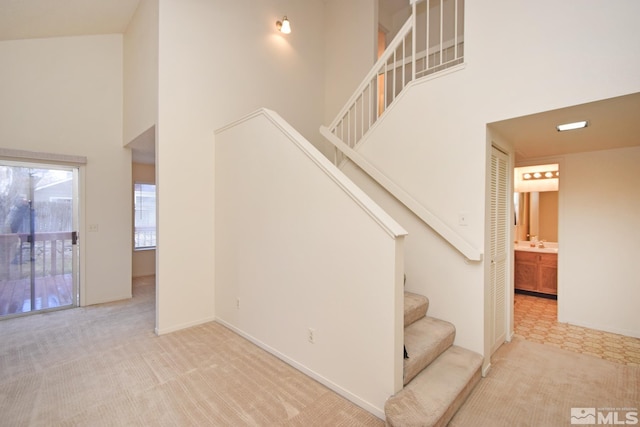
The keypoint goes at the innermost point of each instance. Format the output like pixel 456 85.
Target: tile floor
pixel 536 319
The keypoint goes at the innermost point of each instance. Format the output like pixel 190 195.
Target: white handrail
pixel 383 219
pixel 464 247
pixel 352 124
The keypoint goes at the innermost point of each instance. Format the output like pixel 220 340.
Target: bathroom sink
pixel 536 249
pixel 549 248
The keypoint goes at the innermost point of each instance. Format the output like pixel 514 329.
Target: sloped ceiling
pixel 27 19
pixel 613 123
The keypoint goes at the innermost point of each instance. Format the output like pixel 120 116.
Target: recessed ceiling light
pixel 572 126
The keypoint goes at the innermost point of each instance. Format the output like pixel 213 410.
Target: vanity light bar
pixel 540 175
pixel 572 126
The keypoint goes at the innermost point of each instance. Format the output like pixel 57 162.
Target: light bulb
pixel 284 26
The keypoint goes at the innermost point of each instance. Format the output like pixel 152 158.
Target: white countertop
pixel 549 247
pixel 539 250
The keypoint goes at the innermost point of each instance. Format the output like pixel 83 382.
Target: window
pixel 144 220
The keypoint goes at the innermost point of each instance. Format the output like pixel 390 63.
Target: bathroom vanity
pixel 536 269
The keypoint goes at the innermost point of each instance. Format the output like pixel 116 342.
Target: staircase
pixel 438 376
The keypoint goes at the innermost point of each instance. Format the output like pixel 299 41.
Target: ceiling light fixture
pixel 572 126
pixel 283 26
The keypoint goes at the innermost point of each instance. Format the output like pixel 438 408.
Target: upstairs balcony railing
pixel 431 40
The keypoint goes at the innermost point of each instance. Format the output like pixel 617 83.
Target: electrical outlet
pixel 93 228
pixel 238 303
pixel 463 219
pixel 311 336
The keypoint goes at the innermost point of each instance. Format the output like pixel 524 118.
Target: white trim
pixel 10 153
pixel 360 197
pixel 402 33
pixel 367 406
pixel 181 326
pixel 473 254
pixel 486 369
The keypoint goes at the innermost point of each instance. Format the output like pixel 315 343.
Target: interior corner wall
pixel 144 261
pixel 433 143
pixel 141 71
pixel 350 50
pixel 64 95
pixel 210 74
pixel 392 21
pixel 598 282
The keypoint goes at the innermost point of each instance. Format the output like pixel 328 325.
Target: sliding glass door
pixel 38 244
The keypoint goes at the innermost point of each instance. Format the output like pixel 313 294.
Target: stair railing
pixel 439 226
pixel 406 58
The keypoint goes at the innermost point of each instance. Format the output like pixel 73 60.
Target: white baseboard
pixel 378 412
pixel 183 326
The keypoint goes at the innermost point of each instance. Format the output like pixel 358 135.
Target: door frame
pixel 76 165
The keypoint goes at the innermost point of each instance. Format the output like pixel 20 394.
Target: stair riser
pixel 425 340
pixel 436 394
pixel 415 308
pixel 462 397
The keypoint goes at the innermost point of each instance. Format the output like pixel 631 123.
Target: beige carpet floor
pixel 103 366
pixel 533 384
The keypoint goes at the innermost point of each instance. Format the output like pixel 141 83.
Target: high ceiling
pixel 27 19
pixel 613 123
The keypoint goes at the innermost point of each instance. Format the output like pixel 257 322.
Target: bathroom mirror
pixel 536 214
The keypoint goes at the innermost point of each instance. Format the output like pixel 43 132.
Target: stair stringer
pixel 421 168
pixel 431 262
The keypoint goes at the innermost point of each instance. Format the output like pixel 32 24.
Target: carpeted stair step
pixel 425 339
pixel 415 307
pixel 434 396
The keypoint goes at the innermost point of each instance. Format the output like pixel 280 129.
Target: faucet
pixel 541 244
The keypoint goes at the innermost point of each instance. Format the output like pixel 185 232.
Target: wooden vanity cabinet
pixel 536 272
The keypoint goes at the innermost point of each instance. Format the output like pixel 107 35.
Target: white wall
pixel 401 149
pixel 434 143
pixel 219 60
pixel 351 33
pixel 392 20
pixel 141 71
pixel 598 281
pixel 64 95
pixel 143 261
pixel 295 251
pixel 517 67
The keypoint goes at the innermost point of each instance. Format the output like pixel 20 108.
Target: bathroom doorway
pixel 536 248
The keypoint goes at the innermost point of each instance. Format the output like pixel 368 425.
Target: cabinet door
pixel 548 270
pixel 526 271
